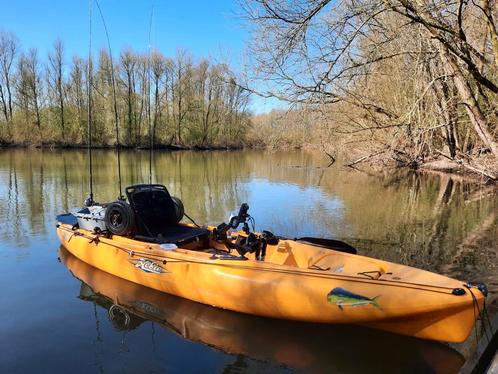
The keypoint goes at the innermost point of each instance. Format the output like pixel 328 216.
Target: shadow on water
pixel 438 223
pixel 298 346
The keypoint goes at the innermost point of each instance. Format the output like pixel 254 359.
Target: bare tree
pixel 143 79
pixel 29 86
pixel 8 52
pixel 319 52
pixel 128 65
pixel 182 76
pixel 76 90
pixel 56 81
pixel 158 67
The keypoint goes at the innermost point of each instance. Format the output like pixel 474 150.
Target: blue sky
pixel 205 28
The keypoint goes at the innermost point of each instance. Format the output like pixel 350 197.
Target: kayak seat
pixel 156 216
pixel 179 234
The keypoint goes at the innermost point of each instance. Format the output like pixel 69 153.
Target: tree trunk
pixel 129 100
pixel 4 104
pixel 474 112
pixel 490 22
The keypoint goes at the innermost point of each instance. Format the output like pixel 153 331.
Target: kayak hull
pixel 296 282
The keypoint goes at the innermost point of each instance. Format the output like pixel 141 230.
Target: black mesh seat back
pixel 153 206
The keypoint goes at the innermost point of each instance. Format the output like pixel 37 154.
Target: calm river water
pixel 57 314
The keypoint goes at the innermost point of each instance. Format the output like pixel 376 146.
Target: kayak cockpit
pixel 151 217
pixel 306 256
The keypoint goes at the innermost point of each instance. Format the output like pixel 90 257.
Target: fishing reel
pixel 241 218
pixel 234 222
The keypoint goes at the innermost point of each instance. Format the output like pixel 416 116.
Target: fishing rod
pixel 151 133
pixel 115 102
pixel 89 201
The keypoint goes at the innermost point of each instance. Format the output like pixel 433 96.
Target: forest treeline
pixel 403 80
pixel 186 103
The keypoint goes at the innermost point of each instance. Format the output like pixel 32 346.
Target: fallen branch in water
pixel 365 158
pixel 483 172
pixel 463 162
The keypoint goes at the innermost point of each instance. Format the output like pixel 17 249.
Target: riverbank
pixel 379 162
pixel 482 169
pixel 168 147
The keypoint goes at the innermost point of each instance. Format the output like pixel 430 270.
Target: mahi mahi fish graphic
pixel 341 298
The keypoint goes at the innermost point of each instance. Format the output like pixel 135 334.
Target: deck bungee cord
pixel 478 315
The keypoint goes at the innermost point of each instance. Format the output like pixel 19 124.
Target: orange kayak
pixel 296 281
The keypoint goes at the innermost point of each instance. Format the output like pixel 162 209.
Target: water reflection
pixel 443 224
pixel 303 347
